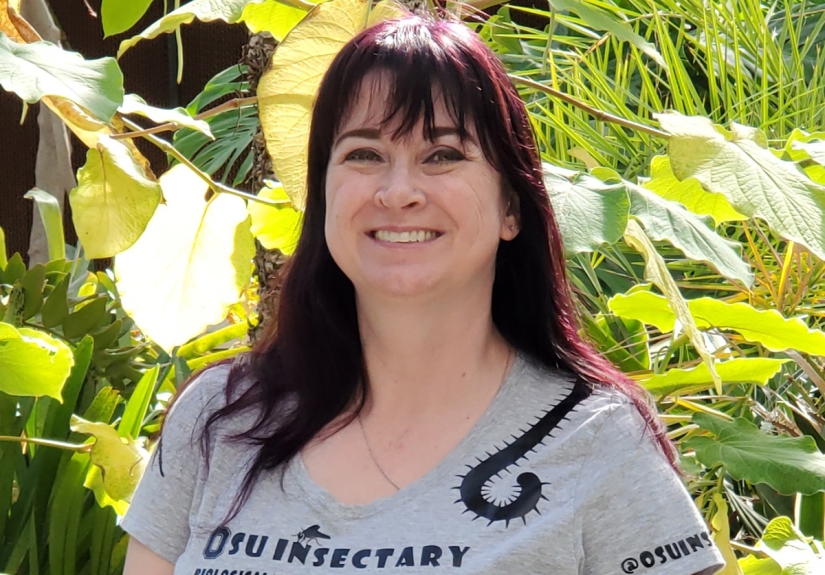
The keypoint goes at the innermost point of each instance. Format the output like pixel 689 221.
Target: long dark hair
pixel 312 359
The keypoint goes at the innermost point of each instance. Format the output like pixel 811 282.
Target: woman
pixel 425 400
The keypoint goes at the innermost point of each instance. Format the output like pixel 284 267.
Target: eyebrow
pixel 375 134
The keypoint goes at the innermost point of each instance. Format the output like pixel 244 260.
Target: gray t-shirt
pixel 554 479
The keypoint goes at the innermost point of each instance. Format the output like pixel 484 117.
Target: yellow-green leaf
pixel 113 201
pixel 32 363
pixel 721 536
pixel 276 228
pixel 737 370
pixel 752 565
pixel 203 10
pixel 657 272
pixel 767 327
pixel 287 90
pixel 272 16
pixel 190 265
pixel 121 460
pixel 783 543
pixel 133 104
pixel 689 193
pixel 738 163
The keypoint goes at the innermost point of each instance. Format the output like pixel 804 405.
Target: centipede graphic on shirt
pixel 529 485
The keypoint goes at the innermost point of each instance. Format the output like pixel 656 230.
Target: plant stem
pixel 596 113
pixel 229 105
pixel 82 448
pixel 216 187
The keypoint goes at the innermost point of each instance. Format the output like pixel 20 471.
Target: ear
pixel 511 224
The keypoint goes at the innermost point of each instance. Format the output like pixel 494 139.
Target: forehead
pixel 372 106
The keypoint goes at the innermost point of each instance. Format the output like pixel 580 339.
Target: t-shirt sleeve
pixel 634 514
pixel 159 512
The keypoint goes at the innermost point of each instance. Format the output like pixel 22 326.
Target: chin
pixel 400 284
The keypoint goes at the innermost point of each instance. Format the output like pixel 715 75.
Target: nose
pixel 399 190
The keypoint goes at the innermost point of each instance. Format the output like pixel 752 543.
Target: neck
pixel 426 356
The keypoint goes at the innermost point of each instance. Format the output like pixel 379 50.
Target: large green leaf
pixel 738 163
pixel 119 15
pixel 752 565
pixel 689 193
pixel 783 543
pixel 32 363
pixel 113 201
pixel 657 272
pixel 602 20
pixel 766 327
pixel 203 10
pixel 272 16
pixel 788 464
pixel 667 220
pixel 589 211
pixel 34 71
pixel 287 90
pixel 203 249
pixel 733 371
pixel 275 227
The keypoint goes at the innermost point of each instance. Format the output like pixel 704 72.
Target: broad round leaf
pixel 287 90
pixel 113 201
pixel 276 228
pixel 32 363
pixel 192 262
pixel 756 182
pixel 767 327
pixel 666 220
pixel 271 16
pixel 788 464
pixel 589 212
pixel 689 193
pixel 119 15
pixel 790 549
pixel 34 71
pixel 122 460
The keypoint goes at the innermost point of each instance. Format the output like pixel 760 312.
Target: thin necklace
pixel 367 441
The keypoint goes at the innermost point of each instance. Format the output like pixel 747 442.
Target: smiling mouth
pixel 410 237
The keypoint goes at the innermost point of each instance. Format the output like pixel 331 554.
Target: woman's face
pixel 412 217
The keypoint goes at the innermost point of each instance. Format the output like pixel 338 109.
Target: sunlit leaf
pixel 670 221
pixel 121 460
pixel 783 543
pixel 52 218
pixel 205 250
pixel 203 10
pixel 275 227
pixel 589 211
pixel 271 16
pixel 34 71
pixel 287 90
pixel 752 565
pixel 119 15
pixel 689 193
pixel 738 164
pixel 787 464
pixel 738 370
pixel 767 327
pixel 133 104
pixel 656 271
pixel 32 363
pixel 721 536
pixel 113 201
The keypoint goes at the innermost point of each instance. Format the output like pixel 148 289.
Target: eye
pixel 446 155
pixel 363 155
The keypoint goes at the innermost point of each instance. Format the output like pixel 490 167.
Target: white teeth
pixel 404 237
